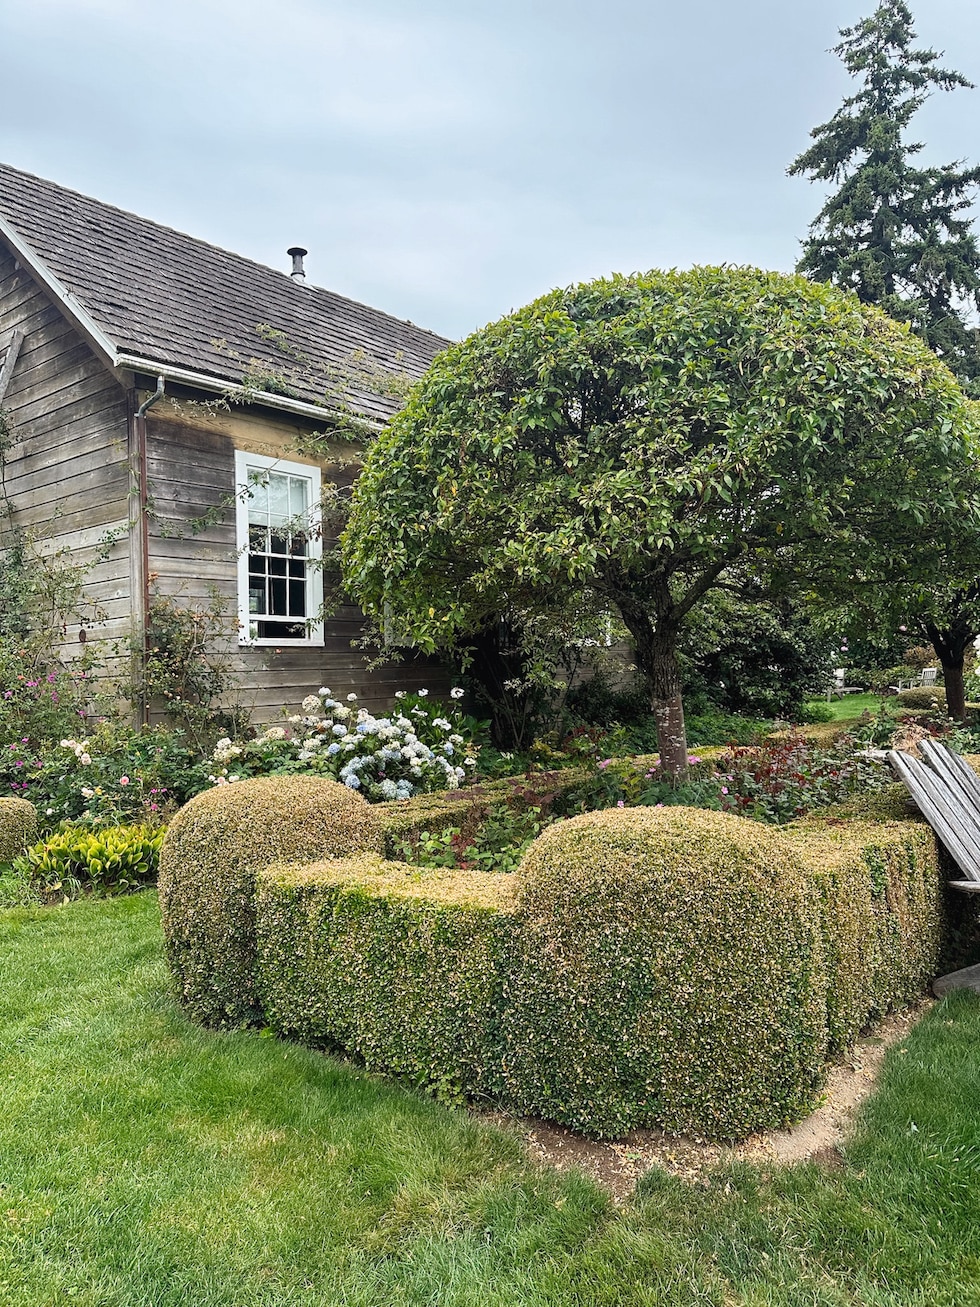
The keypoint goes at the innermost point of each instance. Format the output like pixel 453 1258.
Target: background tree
pixel 745 650
pixel 896 233
pixel 639 435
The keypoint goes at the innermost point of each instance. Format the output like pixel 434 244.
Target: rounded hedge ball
pixel 213 850
pixel 18 827
pixel 670 971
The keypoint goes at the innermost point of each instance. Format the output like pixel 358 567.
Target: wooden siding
pixel 67 475
pixel 193 555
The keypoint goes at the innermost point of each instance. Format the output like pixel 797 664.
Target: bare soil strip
pixel 618 1166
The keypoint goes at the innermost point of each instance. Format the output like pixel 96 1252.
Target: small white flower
pixel 352 697
pixel 84 759
pixel 422 693
pixel 311 703
pixel 456 692
pixel 324 689
pixel 399 694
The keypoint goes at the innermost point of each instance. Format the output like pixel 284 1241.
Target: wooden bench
pixel 947 792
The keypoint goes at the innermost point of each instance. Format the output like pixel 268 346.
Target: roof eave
pixel 223 386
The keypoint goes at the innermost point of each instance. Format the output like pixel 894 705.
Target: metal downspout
pixel 144 525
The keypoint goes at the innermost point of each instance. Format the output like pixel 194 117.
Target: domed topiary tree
pixel 667 970
pixel 635 437
pixel 208 864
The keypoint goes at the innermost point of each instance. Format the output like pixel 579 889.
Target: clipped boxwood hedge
pixel 213 850
pixel 18 827
pixel 922 696
pixel 884 915
pixel 676 967
pixel 669 970
pixel 399 966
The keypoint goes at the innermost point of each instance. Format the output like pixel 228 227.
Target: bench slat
pixel 951 817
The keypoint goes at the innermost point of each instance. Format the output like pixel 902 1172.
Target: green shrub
pixel 18 827
pixel 815 711
pixel 667 970
pixel 884 915
pixel 921 696
pixel 107 861
pixel 401 967
pixel 212 852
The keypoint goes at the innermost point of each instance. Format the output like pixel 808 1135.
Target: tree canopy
pixel 894 231
pixel 636 436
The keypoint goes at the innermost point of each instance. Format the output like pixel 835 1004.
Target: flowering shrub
pixel 420 746
pixel 38 703
pixel 112 776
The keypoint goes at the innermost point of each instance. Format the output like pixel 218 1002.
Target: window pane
pixel 278 499
pixel 258 500
pixel 298 497
pixel 277 597
pixel 297 598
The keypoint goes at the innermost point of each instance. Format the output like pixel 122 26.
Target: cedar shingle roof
pixel 172 300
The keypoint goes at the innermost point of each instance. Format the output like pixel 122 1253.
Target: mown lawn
pixel 146 1163
pixel 852 705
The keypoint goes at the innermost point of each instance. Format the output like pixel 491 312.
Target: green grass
pixel 852 705
pixel 146 1163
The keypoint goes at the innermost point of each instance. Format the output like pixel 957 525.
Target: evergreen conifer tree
pixel 897 234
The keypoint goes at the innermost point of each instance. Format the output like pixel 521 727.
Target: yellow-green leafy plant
pixel 110 860
pixel 213 849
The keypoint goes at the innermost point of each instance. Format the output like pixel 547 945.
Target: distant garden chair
pixel 839 688
pixel 925 680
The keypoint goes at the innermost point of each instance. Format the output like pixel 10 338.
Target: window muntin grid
pixel 278 597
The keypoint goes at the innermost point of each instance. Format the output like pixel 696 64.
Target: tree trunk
pixel 656 657
pixel 951 644
pixel 955 691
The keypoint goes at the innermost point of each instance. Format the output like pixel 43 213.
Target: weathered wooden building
pixel 177 412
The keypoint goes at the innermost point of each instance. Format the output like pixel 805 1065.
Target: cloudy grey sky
pixel 448 160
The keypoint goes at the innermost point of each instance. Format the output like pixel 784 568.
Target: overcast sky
pixel 449 160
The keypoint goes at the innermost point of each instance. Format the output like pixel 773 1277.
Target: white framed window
pixel 280 588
